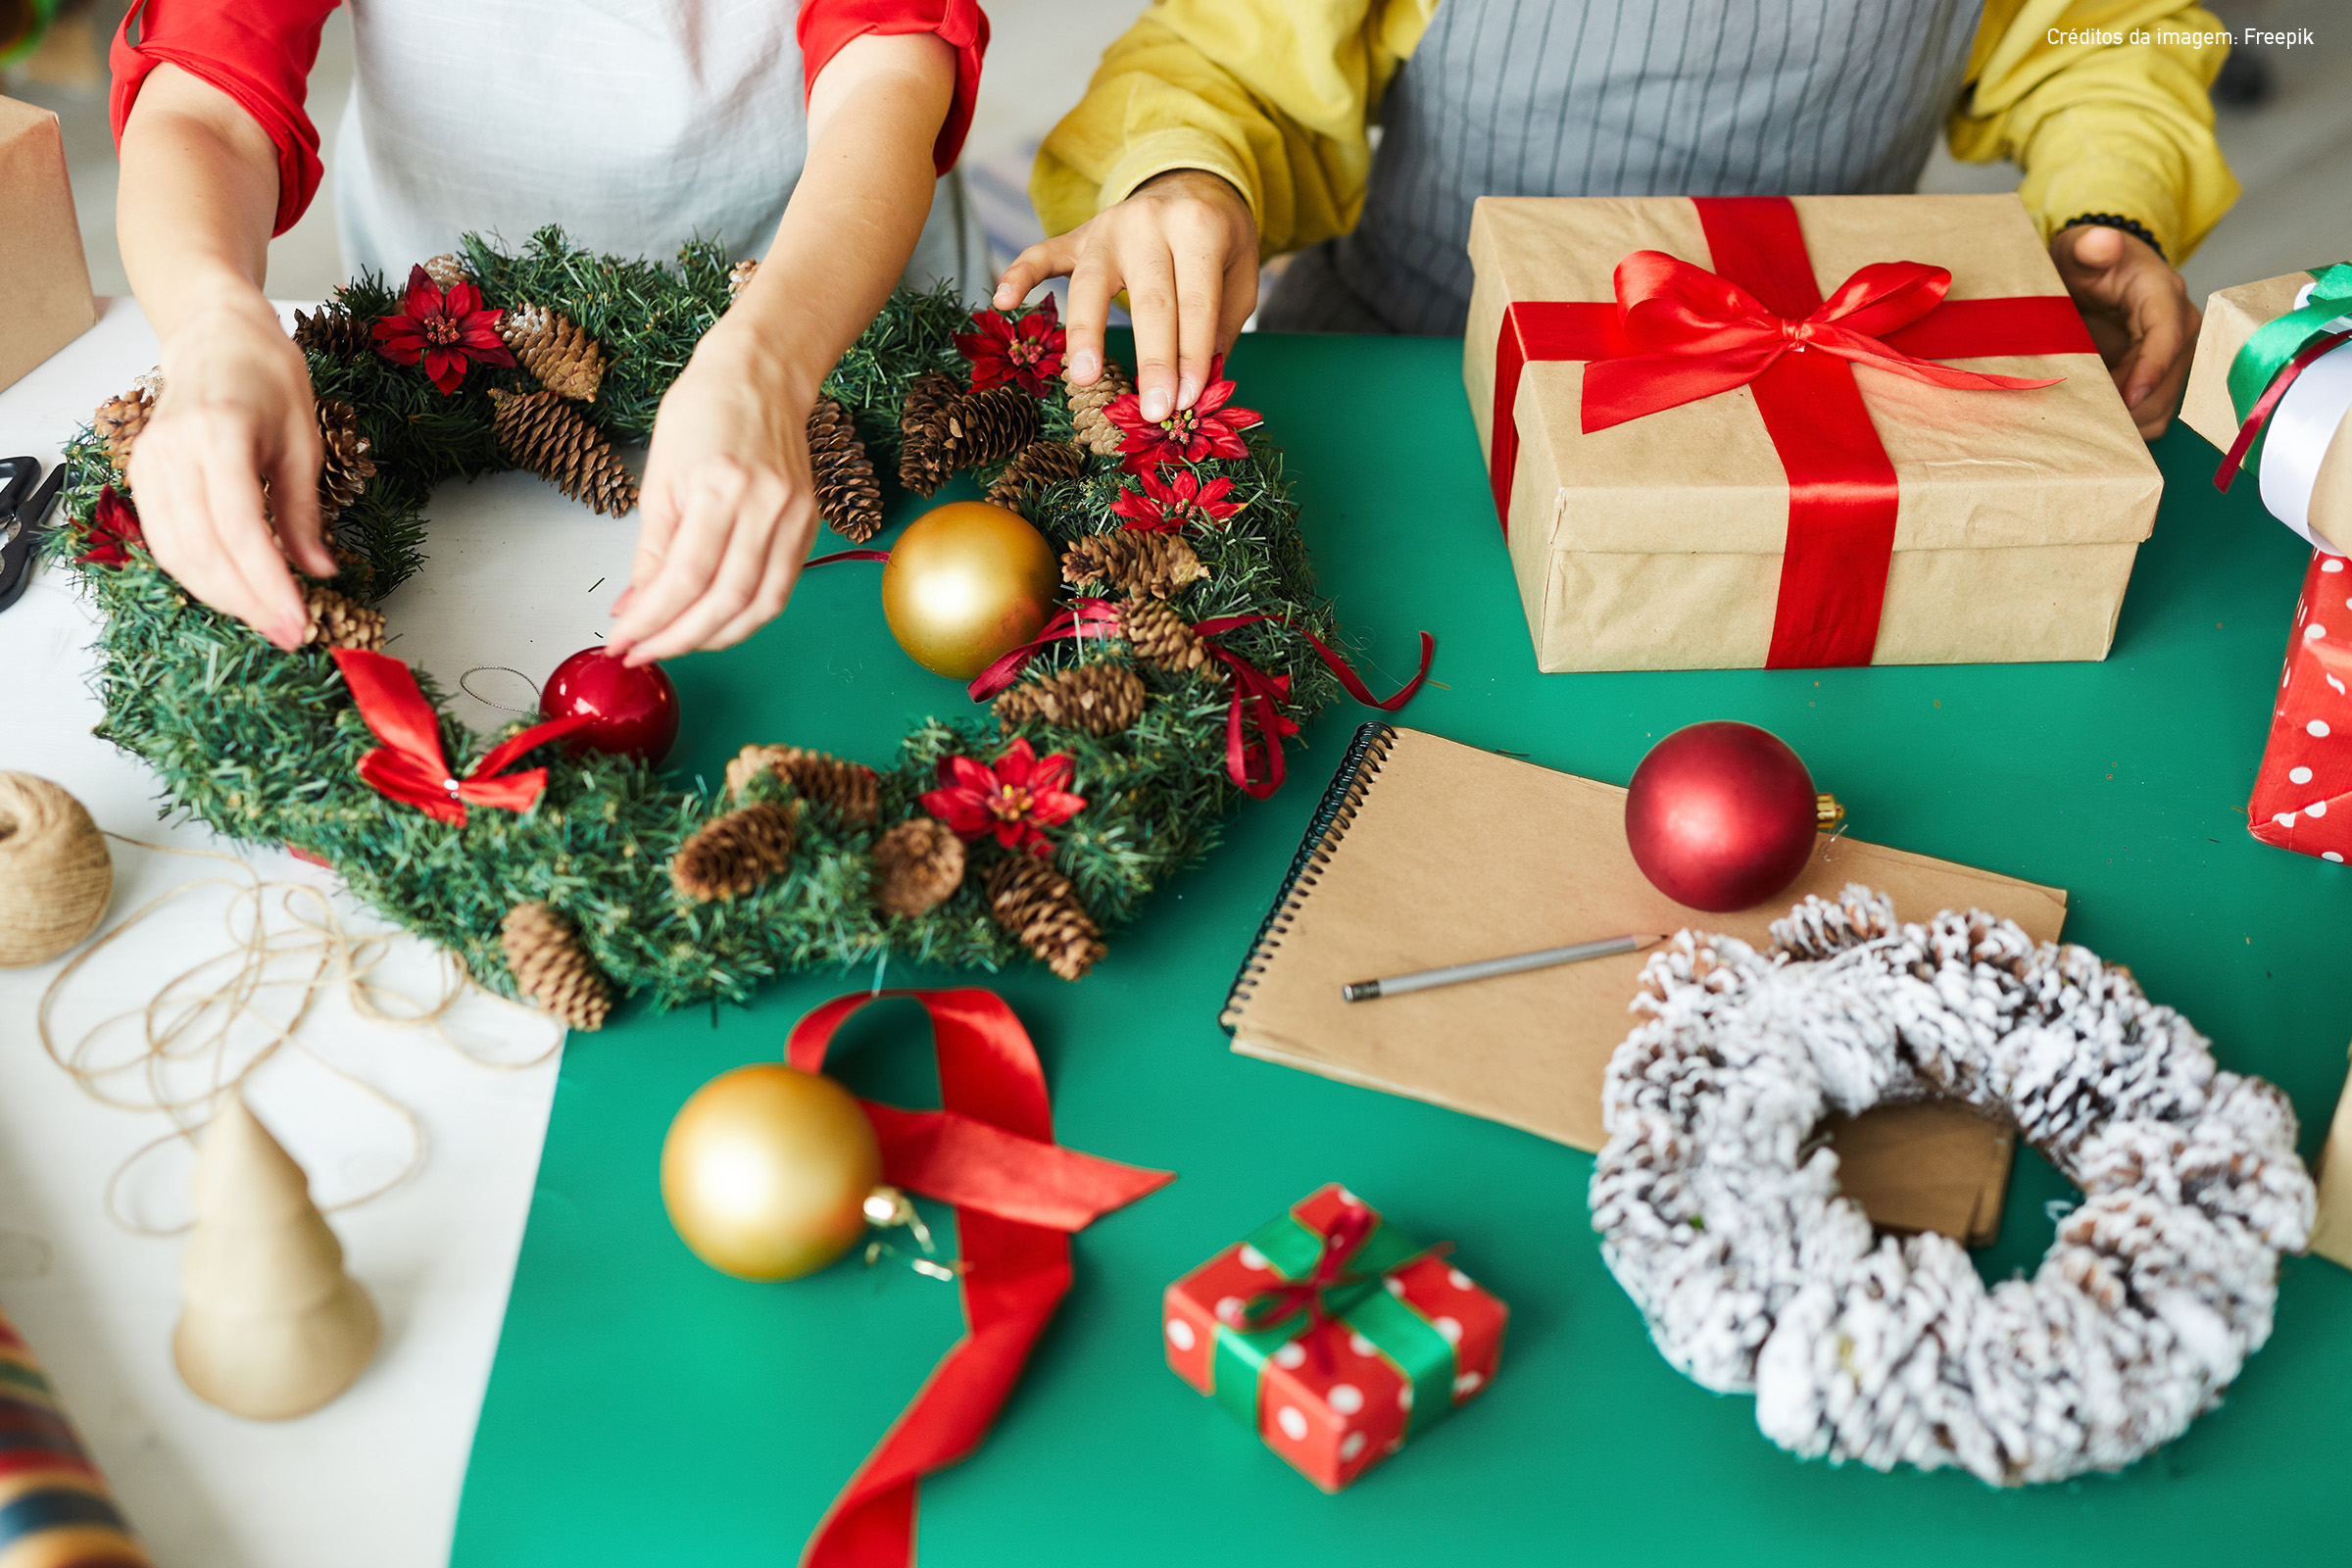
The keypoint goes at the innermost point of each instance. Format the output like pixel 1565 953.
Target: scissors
pixel 21 518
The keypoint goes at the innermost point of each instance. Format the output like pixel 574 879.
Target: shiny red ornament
pixel 1721 816
pixel 633 713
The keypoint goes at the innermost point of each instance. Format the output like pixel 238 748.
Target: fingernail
pixel 1085 365
pixel 1187 390
pixel 1155 403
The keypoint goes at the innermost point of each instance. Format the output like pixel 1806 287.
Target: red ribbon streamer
pixel 1088 618
pixel 1678 333
pixel 410 765
pixel 2265 406
pixel 1017 1195
pixel 840 555
pixel 1253 761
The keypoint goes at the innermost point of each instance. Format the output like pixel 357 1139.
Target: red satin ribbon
pixel 410 765
pixel 2268 404
pixel 1088 618
pixel 1017 1195
pixel 1677 332
pixel 1255 725
pixel 840 555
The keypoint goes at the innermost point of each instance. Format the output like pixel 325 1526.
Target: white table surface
pixel 372 1481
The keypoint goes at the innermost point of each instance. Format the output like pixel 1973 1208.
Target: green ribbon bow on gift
pixel 2278 351
pixel 1339 1275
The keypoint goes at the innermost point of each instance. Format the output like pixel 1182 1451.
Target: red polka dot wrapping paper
pixel 1332 1400
pixel 2303 793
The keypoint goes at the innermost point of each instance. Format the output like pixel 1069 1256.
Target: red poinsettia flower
pixel 446 331
pixel 114 529
pixel 1026 353
pixel 1013 799
pixel 1171 508
pixel 1211 427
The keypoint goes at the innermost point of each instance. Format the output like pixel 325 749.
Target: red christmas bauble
pixel 636 710
pixel 1721 816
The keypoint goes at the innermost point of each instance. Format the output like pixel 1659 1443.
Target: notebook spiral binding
pixel 1342 800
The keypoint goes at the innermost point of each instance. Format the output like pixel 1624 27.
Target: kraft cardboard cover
pixel 1437 853
pixel 2231 316
pixel 2331 1238
pixel 42 274
pixel 1655 544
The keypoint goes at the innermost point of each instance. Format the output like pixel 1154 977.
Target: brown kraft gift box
pixel 1658 544
pixel 2232 317
pixel 43 279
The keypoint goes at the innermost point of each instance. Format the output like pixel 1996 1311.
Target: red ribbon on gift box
pixel 990 1151
pixel 1677 333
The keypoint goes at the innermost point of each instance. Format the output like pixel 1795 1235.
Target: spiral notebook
pixel 1426 852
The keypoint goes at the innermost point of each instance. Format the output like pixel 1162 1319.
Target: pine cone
pixel 1037 465
pixel 851 789
pixel 555 348
pixel 1099 699
pixel 344 466
pixel 339 621
pixel 847 496
pixel 922 463
pixel 447 271
pixel 735 852
pixel 917 866
pixel 550 437
pixel 1093 427
pixel 739 278
pixel 1162 638
pixel 985 427
pixel 333 334
pixel 549 969
pixel 1033 902
pixel 1156 565
pixel 355 575
pixel 119 421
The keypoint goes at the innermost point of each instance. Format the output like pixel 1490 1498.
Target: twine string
pixel 213 1023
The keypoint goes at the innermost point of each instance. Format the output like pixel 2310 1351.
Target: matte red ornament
pixel 1721 816
pixel 633 713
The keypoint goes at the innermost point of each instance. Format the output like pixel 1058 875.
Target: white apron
pixel 636 124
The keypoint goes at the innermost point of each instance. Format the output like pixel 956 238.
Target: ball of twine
pixel 55 872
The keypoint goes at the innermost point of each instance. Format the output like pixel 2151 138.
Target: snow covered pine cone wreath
pixel 1161 695
pixel 1722 1219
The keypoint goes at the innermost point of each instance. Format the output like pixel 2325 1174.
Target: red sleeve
pixel 259 52
pixel 826 25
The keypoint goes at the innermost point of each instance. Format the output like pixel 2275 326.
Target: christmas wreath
pixel 1720 1214
pixel 1110 750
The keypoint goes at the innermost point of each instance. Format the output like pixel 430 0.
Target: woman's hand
pixel 1185 248
pixel 2138 314
pixel 235 410
pixel 727 507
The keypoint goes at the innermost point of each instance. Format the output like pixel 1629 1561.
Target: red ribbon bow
pixel 1255 725
pixel 410 765
pixel 1677 332
pixel 1704 335
pixel 1017 1195
pixel 1088 618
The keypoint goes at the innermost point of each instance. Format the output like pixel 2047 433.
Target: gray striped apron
pixel 1623 98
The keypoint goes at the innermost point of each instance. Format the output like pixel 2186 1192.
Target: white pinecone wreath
pixel 1722 1218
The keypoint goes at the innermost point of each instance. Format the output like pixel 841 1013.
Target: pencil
pixel 1455 974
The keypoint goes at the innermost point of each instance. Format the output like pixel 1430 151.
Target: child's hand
pixel 2138 314
pixel 235 409
pixel 728 510
pixel 1185 248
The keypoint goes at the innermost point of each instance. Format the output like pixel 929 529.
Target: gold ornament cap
pixel 1827 811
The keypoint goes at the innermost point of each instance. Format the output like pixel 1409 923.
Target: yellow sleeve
pixel 1276 98
pixel 2105 105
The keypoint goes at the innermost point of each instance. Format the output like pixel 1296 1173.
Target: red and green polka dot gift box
pixel 1332 1336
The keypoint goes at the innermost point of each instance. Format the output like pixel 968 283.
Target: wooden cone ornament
pixel 270 1326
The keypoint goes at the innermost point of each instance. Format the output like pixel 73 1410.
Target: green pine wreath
pixel 263 746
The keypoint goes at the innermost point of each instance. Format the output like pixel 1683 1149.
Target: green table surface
pixel 646 1409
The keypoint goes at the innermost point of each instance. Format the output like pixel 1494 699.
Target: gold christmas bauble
pixel 766 1170
pixel 967 584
